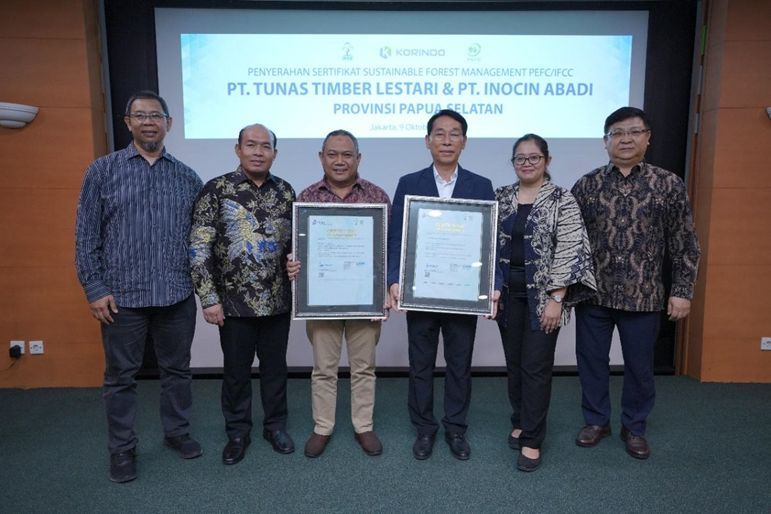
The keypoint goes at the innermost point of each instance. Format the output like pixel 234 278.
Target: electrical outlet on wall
pixel 36 348
pixel 765 343
pixel 20 344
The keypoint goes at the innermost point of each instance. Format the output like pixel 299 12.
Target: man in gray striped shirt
pixel 132 224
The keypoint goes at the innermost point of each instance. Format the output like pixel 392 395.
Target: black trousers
pixel 458 331
pixel 171 328
pixel 240 339
pixel 529 362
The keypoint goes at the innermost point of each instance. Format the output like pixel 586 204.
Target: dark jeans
pixel 240 339
pixel 638 332
pixel 529 362
pixel 458 331
pixel 171 329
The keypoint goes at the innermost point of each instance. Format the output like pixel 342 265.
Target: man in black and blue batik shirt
pixel 239 242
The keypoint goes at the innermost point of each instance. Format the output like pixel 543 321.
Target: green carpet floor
pixel 711 447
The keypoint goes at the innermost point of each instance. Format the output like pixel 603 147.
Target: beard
pixel 150 146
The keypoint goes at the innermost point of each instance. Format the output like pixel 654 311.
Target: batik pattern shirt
pixel 239 241
pixel 556 249
pixel 633 222
pixel 363 191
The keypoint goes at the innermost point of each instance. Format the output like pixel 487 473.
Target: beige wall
pixel 50 58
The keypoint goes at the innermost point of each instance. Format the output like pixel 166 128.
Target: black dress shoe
pixel 424 445
pixel 235 450
pixel 513 442
pixel 458 445
pixel 123 466
pixel 184 445
pixel 279 439
pixel 636 445
pixel 527 464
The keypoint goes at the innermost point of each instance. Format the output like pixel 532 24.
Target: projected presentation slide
pixel 381 75
pixel 387 85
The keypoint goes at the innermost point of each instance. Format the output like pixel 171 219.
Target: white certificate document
pixel 448 255
pixel 340 260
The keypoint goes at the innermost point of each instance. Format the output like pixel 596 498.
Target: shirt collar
pixel 242 177
pixel 440 180
pixel 323 184
pixel 635 169
pixel 133 152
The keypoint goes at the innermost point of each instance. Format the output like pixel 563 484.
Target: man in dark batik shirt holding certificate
pixel 340 159
pixel 635 213
pixel 239 242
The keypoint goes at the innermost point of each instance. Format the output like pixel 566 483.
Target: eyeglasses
pixel 454 136
pixel 152 116
pixel 635 132
pixel 520 160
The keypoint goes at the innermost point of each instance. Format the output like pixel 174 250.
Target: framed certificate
pixel 342 248
pixel 448 255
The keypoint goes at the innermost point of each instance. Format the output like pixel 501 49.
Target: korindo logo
pixel 387 51
pixel 419 52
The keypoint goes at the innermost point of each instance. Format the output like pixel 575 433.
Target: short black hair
pixel 625 113
pixel 272 134
pixel 452 114
pixel 146 95
pixel 341 132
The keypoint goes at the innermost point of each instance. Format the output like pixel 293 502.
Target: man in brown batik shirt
pixel 340 159
pixel 635 213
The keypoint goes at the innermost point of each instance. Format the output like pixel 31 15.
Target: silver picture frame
pixel 342 250
pixel 447 261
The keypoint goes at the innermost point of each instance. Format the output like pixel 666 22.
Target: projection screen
pixel 381 74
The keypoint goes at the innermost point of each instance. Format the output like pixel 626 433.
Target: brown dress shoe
pixel 590 435
pixel 316 444
pixel 636 445
pixel 369 443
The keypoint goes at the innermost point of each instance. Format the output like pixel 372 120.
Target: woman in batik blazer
pixel 544 267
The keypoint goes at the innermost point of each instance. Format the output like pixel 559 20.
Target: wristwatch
pixel 556 297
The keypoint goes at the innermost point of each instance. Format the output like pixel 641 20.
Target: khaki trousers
pixel 326 337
